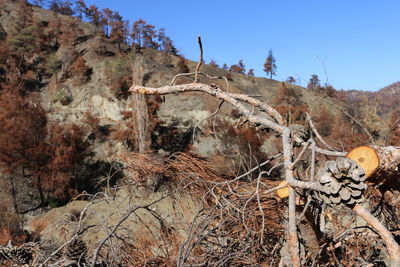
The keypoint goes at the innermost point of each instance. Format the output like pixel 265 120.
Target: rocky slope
pixel 89 89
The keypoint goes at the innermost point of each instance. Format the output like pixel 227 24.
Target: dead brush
pixel 180 168
pixel 193 172
pixel 180 165
pixel 146 249
pixel 234 232
pixel 142 166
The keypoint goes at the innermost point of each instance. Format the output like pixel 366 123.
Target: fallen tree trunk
pixel 388 172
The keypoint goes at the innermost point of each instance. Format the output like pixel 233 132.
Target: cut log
pixel 366 157
pixel 283 192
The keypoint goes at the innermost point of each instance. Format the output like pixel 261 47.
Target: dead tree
pixel 340 182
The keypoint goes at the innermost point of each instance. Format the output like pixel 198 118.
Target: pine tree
pixel 149 36
pixel 63 7
pixel 24 130
pixel 314 82
pixel 269 65
pixel 95 17
pixel 165 43
pixel 24 42
pixel 291 80
pixel 108 15
pixel 213 63
pixel 250 72
pixel 80 8
pixel 239 67
pixel 137 32
pixel 38 3
pixel 119 32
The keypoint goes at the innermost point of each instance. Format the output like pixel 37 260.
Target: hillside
pixel 89 167
pixel 385 99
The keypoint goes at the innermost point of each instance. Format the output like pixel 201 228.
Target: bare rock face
pixel 342 181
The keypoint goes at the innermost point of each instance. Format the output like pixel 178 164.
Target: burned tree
pixel 339 182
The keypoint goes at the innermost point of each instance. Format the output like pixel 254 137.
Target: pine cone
pixel 76 250
pixel 342 182
pixel 19 255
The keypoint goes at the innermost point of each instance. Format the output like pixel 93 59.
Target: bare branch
pixel 196 77
pixel 314 129
pixel 228 97
pixel 391 244
pixel 359 123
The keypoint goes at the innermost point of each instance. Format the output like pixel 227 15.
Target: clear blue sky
pixel 359 40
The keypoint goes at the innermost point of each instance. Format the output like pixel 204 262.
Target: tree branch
pixel 391 244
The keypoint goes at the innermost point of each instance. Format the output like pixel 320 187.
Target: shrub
pixel 243 143
pixel 287 101
pixel 80 70
pixel 120 86
pixel 182 65
pixel 10 225
pixel 324 122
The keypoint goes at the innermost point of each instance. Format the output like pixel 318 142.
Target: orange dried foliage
pixel 142 165
pixel 126 115
pixel 93 123
pixel 126 136
pixel 38 225
pixel 342 133
pixel 287 101
pixel 182 65
pixel 120 86
pixel 179 165
pixel 324 122
pixel 10 228
pixel 80 70
pixel 394 129
pixel 5 235
pixel 67 151
pixel 243 143
pixel 177 168
pixel 24 130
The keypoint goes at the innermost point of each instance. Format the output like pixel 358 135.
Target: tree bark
pixel 141 113
pixel 388 172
